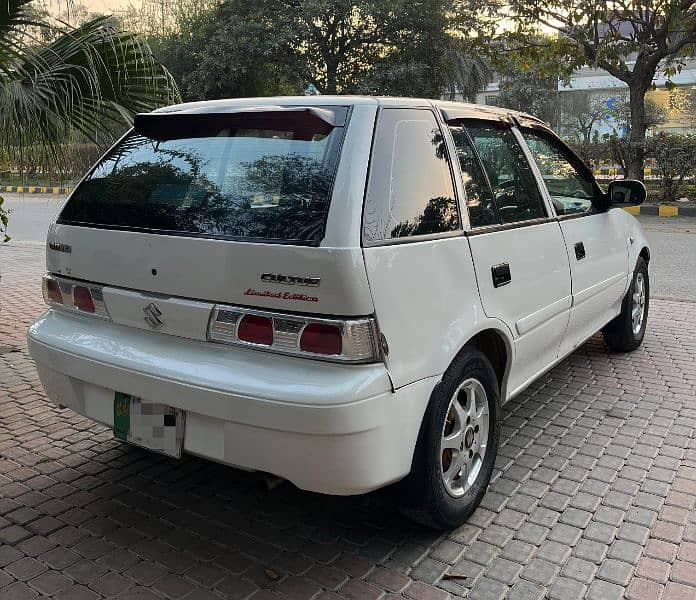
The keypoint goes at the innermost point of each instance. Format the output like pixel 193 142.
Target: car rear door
pixel 596 242
pixel 517 246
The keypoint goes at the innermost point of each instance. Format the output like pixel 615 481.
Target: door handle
pixel 501 274
pixel 579 250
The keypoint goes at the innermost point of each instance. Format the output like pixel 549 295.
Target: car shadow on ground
pixel 578 463
pixel 174 511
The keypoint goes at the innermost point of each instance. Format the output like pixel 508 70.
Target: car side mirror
pixel 626 192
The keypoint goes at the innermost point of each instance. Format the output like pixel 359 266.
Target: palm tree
pixel 469 72
pixel 85 83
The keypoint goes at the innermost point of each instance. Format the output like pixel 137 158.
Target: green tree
pixel 60 83
pixel 394 47
pixel 580 111
pixel 236 49
pixel 274 47
pixel 532 92
pixel 621 147
pixel 340 41
pixel 674 159
pixel 468 72
pixel 653 114
pixel 161 18
pixel 84 83
pixel 630 40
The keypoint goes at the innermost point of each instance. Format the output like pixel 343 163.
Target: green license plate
pixel 151 425
pixel 121 416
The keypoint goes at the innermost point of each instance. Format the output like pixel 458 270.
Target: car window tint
pixel 479 198
pixel 257 178
pixel 410 190
pixel 517 196
pixel 571 188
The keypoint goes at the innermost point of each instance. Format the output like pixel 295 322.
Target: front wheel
pixel 457 445
pixel 626 332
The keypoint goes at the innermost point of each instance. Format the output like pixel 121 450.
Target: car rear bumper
pixel 330 428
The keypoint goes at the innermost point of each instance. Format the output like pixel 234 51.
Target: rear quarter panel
pixel 427 304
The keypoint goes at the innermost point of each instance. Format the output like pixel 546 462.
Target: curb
pixel 35 189
pixel 663 210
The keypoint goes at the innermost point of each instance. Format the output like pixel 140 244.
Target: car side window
pixel 571 187
pixel 517 195
pixel 480 201
pixel 410 190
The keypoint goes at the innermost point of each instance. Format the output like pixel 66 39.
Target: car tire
pixel 626 332
pixel 435 494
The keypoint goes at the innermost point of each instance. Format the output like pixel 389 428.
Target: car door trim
pixel 455 168
pixel 413 239
pixel 527 223
pixel 477 158
pixel 536 172
pixel 530 322
pixel 571 216
pixel 506 226
pixel 597 288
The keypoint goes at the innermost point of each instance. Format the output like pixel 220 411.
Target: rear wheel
pixel 457 445
pixel 626 332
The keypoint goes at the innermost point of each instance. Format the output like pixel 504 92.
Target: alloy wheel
pixel 464 437
pixel 638 304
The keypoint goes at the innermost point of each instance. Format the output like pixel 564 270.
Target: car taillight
pixel 351 340
pixel 51 290
pixel 255 330
pixel 321 339
pixel 82 298
pixel 75 296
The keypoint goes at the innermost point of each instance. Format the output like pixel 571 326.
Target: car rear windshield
pixel 256 176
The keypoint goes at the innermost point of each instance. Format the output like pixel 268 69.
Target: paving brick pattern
pixel 593 496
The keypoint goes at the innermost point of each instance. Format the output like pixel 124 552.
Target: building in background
pixel 595 101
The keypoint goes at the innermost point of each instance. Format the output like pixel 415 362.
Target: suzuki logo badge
pixel 152 316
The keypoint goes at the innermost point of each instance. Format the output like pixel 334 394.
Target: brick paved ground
pixel 593 495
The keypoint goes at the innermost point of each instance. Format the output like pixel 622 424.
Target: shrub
pixel 673 156
pixel 74 161
pixel 592 152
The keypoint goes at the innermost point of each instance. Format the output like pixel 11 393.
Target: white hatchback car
pixel 341 291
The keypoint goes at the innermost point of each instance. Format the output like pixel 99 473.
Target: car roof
pixel 451 110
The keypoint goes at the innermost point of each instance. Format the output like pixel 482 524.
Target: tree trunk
pixel 636 139
pixel 587 134
pixel 331 76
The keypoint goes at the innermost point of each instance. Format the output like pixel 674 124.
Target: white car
pixel 340 291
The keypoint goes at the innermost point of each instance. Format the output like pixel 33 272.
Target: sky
pixel 107 6
pixel 100 6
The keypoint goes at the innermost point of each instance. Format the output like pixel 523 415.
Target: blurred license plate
pixel 154 426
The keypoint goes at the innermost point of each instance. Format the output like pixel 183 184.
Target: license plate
pixel 151 425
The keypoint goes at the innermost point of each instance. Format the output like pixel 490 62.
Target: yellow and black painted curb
pixel 34 189
pixel 662 210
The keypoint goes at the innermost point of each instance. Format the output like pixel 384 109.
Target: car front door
pixel 517 246
pixel 596 241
